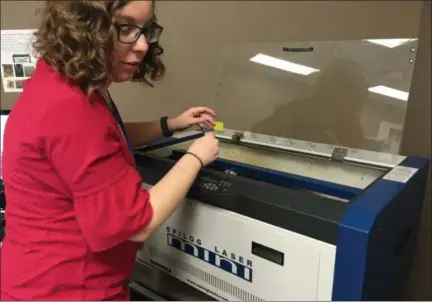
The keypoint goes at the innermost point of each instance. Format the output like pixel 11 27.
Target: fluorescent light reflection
pixel 390 92
pixel 390 43
pixel 283 64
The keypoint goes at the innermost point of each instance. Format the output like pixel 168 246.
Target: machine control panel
pixel 214 185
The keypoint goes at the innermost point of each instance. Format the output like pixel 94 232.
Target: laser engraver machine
pixel 302 203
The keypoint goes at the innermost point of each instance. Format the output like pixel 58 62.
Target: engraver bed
pixel 308 216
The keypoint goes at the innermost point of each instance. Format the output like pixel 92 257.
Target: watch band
pixel 164 126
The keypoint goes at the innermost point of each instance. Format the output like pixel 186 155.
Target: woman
pixel 76 214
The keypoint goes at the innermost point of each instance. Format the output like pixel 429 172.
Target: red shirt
pixel 74 197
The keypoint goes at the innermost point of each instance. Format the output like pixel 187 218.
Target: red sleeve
pixel 85 147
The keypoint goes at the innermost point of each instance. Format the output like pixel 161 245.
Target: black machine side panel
pixel 298 211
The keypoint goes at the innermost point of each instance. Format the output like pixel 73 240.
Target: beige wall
pixel 417 141
pixel 196 31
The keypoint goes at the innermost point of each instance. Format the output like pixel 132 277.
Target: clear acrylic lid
pixel 345 93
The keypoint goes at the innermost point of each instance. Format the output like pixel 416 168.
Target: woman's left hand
pixel 201 116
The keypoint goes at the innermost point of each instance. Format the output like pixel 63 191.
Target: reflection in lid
pixel 337 94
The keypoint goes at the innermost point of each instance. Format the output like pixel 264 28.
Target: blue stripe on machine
pixel 282 178
pixel 169 141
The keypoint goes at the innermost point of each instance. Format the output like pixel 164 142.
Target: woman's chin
pixel 122 77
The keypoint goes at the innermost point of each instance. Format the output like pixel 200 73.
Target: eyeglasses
pixel 130 33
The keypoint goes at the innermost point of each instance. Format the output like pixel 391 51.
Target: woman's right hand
pixel 170 191
pixel 206 148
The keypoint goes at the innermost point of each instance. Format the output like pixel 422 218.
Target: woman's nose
pixel 141 44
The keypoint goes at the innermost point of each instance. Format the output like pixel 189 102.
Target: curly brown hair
pixel 77 39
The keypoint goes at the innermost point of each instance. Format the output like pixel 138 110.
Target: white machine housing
pixel 307 273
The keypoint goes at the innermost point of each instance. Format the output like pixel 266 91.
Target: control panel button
pixel 214 185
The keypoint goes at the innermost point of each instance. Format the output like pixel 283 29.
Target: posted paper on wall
pixel 17 58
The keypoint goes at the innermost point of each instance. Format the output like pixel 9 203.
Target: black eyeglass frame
pixel 142 31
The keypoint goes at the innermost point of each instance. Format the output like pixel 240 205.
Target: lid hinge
pixel 237 136
pixel 339 153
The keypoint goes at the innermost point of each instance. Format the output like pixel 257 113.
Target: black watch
pixel 164 126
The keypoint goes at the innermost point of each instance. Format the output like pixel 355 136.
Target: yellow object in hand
pixel 219 127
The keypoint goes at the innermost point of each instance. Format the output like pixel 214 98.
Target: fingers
pixel 202 110
pixel 205 120
pixel 204 126
pixel 202 117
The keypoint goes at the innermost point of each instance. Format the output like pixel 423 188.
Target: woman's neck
pixel 105 94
